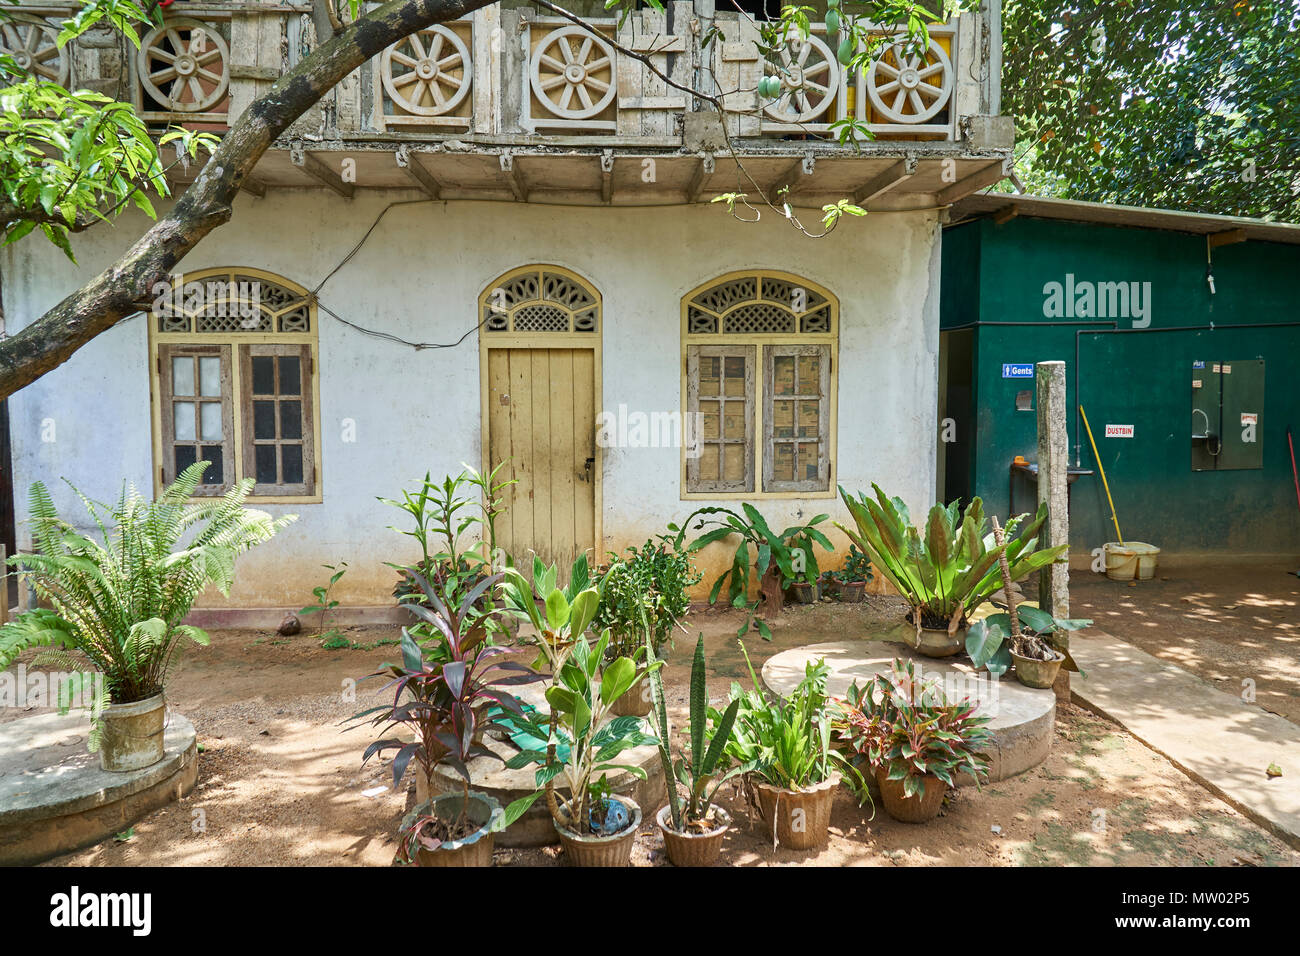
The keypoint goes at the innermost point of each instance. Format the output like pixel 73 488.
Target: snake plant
pixel 706 767
pixel 949 568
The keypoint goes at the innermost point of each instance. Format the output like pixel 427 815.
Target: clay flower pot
pixel 935 641
pixel 474 850
pixel 803 592
pixel 917 808
pixel 614 850
pixel 133 735
pixel 635 703
pixel 799 819
pixel 1036 673
pixel 693 849
pixel 850 592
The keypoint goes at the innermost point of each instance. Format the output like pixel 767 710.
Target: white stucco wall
pixel 419 277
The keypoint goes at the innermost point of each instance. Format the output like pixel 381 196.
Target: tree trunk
pixel 773 597
pixel 118 291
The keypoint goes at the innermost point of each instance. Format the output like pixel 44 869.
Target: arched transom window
pixel 540 299
pixel 759 386
pixel 234 363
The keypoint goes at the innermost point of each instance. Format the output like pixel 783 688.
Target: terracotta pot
pixel 800 819
pixel 636 702
pixel 475 849
pixel 615 850
pixel 693 849
pixel 132 738
pixel 1036 673
pixel 850 592
pixel 917 808
pixel 803 592
pixel 935 641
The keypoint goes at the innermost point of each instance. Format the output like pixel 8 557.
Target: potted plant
pixel 444 692
pixel 784 749
pixel 913 739
pixel 443 513
pixel 1027 636
pixel 693 830
pixel 596 826
pixel 772 566
pixel 947 571
pixel 804 586
pixel 120 602
pixel 645 586
pixel 848 584
pixel 995 643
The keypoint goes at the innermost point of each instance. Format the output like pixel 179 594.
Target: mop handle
pixel 1105 484
pixel 1294 475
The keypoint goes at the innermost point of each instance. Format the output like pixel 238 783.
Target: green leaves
pixel 71 159
pixel 120 600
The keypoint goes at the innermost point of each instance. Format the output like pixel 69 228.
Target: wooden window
pixel 197 424
pixel 720 400
pixel 277 418
pixel 796 419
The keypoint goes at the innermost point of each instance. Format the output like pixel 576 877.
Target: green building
pixel 1181 338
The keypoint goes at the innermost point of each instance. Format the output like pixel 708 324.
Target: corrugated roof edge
pixel 1044 207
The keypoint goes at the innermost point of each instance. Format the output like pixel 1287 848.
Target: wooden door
pixel 542 423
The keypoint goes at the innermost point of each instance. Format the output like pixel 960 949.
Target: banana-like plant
pixel 121 601
pixel 707 766
pixel 948 570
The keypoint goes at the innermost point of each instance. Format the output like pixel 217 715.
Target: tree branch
pixel 112 295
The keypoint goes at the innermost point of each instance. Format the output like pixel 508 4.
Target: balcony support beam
pixel 513 178
pixel 897 174
pixel 703 170
pixel 989 175
pixel 317 170
pixel 795 178
pixel 418 174
pixel 607 176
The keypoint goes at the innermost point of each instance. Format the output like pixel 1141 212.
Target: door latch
pixel 587 468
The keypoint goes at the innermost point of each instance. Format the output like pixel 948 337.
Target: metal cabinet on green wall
pixel 1227 405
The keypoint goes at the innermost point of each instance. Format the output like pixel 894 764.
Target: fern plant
pixel 120 601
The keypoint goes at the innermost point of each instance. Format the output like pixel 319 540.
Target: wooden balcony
pixel 508 104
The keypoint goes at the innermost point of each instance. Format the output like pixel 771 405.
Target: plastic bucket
pixel 1132 559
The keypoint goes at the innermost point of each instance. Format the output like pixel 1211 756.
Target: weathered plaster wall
pixel 419 276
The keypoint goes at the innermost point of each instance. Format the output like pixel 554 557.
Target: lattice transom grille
pixel 541 301
pixel 758 304
pixel 231 303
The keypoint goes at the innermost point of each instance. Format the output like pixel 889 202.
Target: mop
pixel 1295 476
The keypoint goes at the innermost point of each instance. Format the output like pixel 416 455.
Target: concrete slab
pixel 54 797
pixel 1218 739
pixel 1024 718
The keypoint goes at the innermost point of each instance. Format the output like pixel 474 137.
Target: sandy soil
pixel 280 782
pixel 1229 623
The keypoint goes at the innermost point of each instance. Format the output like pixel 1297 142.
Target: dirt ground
pixel 280 782
pixel 1229 624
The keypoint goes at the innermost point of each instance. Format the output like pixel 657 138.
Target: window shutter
pixel 276 397
pixel 796 417
pixel 720 403
pixel 197 420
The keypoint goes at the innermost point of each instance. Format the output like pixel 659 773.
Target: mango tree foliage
pixel 1167 103
pixel 71 158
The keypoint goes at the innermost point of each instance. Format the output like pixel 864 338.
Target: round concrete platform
pixel 1023 718
pixel 54 797
pixel 534 828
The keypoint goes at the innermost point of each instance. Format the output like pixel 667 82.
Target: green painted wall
pixel 1142 377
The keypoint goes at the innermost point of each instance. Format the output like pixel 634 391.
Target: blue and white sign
pixel 1017 371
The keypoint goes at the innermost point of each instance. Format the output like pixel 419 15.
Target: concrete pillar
pixel 1053 468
